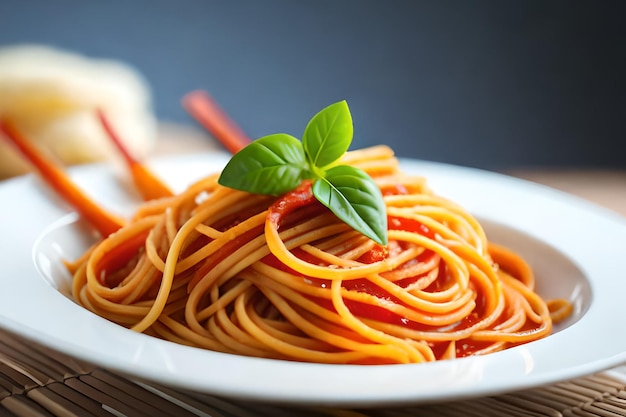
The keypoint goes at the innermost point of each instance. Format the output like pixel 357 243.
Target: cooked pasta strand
pixel 219 269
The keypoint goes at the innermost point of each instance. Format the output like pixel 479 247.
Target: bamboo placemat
pixel 38 382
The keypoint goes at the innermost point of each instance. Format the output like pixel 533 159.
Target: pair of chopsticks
pixel 199 104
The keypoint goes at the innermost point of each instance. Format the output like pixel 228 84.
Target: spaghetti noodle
pixel 283 278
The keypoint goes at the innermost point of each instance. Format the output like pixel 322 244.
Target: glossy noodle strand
pixel 283 278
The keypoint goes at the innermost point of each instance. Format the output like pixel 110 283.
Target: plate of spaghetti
pixel 483 284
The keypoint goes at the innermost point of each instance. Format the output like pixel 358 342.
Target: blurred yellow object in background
pixel 52 95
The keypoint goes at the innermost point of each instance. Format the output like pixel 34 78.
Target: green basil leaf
pixel 328 134
pixel 355 198
pixel 271 165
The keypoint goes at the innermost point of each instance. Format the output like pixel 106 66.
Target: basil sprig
pixel 276 164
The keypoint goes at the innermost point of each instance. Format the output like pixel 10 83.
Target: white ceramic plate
pixel 577 249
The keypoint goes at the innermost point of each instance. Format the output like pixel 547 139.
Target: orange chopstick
pixel 209 115
pixel 103 221
pixel 148 184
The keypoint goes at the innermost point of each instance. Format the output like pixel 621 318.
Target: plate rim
pixel 140 367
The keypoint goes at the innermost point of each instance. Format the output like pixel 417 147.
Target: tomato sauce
pixel 297 202
pixel 120 257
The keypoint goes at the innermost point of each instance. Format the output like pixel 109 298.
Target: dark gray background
pixel 491 84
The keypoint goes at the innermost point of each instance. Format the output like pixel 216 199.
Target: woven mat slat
pixel 38 382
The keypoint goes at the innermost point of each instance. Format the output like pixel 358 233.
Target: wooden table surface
pixel 604 187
